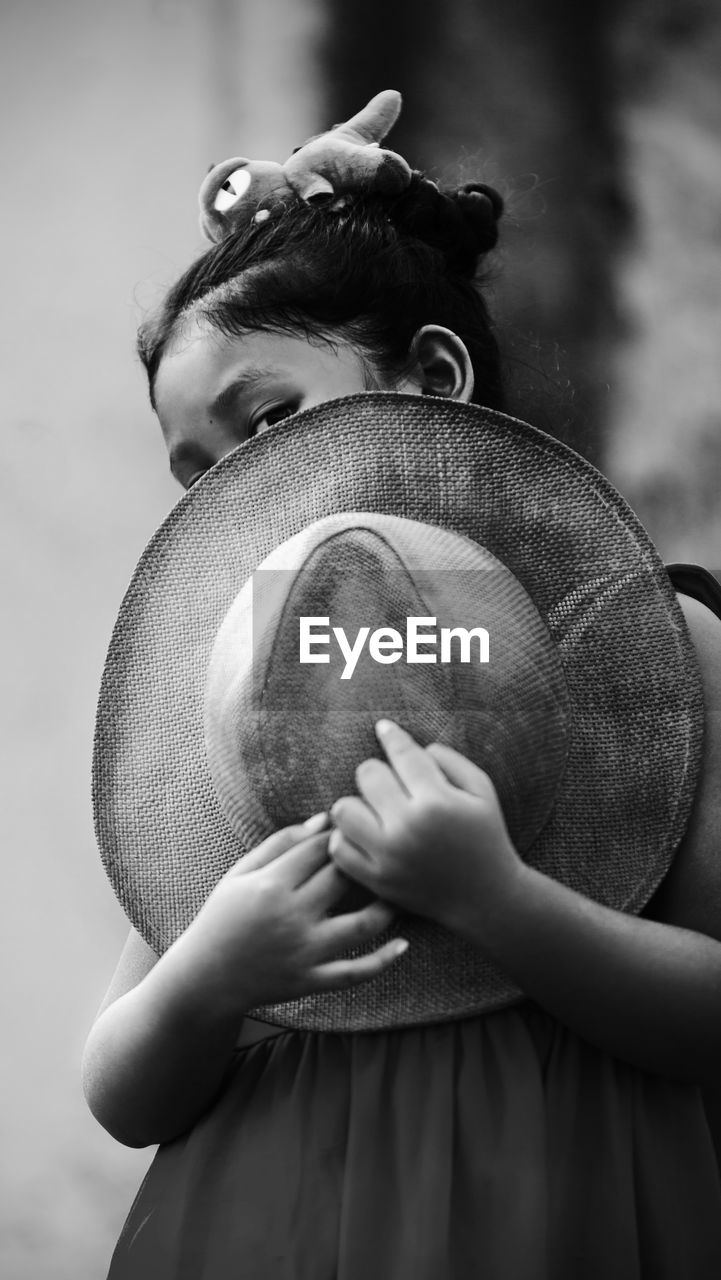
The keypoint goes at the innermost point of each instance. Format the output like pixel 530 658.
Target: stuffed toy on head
pixel 347 160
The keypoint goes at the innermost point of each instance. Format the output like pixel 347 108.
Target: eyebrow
pixel 241 382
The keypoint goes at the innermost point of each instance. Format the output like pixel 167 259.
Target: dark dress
pixel 501 1147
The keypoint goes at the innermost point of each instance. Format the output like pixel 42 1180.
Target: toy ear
pixel 376 119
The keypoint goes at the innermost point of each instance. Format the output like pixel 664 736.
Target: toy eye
pixel 235 186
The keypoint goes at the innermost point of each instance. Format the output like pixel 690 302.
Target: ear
pixel 441 365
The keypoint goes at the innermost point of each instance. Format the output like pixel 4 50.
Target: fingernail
pixel 402 944
pixel 316 823
pixel 384 726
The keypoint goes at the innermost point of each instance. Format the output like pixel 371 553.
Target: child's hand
pixel 264 936
pixel 427 833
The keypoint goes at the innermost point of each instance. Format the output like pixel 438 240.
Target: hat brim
pixel 575 546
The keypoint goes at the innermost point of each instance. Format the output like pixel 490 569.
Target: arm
pixel 155 1057
pixel 163 1041
pixel 647 990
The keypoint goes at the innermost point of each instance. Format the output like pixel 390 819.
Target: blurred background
pixel 600 122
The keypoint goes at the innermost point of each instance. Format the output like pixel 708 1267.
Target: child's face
pixel 213 392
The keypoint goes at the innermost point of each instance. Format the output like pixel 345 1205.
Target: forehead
pixel 197 359
pixel 199 362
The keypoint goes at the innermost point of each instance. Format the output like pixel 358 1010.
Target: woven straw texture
pixel 632 716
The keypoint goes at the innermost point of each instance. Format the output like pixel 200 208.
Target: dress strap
pixel 692 580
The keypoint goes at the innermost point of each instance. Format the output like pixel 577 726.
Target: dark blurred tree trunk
pixel 522 95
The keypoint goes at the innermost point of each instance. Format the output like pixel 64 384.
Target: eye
pixel 235 186
pixel 266 418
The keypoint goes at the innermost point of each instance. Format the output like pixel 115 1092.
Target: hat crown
pixel 410 621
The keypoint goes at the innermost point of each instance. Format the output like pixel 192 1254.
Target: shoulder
pixel 705 630
pixel 690 895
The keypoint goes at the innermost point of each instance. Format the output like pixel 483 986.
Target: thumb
pixel 375 120
pixel 459 770
pixel 280 842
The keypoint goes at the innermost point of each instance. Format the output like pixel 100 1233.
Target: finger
pixel 380 788
pixel 376 118
pixel 416 769
pixel 342 933
pixel 459 770
pixel 297 865
pixel 357 822
pixel 351 860
pixel 326 887
pixel 349 973
pixel 280 841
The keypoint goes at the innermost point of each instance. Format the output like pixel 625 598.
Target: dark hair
pixel 372 272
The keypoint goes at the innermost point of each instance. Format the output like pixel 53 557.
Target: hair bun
pixel 482 206
pixel 462 224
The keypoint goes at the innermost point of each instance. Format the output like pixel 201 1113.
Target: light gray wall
pixel 111 115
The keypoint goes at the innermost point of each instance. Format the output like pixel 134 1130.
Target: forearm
pixel 646 992
pixel 156 1058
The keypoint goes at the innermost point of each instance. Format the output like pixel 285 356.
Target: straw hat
pixel 588 712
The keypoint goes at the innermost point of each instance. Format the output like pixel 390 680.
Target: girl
pixel 563 1137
